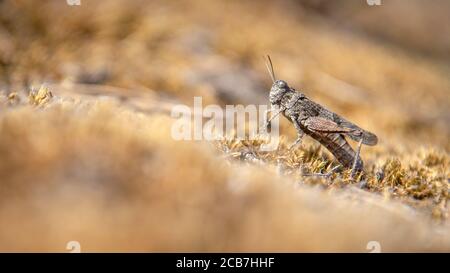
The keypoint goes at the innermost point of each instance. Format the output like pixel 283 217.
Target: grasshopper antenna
pixel 270 68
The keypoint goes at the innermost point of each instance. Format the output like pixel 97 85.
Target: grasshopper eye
pixel 281 84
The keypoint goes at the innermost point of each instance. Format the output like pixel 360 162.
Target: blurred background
pixel 384 67
pixel 393 58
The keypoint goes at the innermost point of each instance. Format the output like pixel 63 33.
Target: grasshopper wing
pixel 357 133
pixel 324 125
pixel 320 124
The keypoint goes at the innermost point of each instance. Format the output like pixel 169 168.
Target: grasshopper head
pixel 279 88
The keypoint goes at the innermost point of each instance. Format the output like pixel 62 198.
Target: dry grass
pixel 81 160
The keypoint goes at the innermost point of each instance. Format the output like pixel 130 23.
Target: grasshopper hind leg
pixel 355 166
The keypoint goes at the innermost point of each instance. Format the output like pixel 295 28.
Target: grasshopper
pixel 310 118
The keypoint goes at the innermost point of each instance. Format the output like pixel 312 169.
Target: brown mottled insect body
pixel 312 119
pixel 339 147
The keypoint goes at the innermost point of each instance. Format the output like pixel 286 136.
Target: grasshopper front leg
pixel 268 123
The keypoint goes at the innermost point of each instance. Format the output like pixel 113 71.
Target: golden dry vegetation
pixel 86 152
